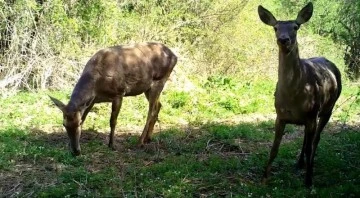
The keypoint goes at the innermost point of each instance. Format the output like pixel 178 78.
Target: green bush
pixel 45 44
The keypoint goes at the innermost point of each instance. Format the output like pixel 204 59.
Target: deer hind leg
pixel 310 130
pixel 322 122
pixel 152 95
pixel 301 163
pixel 115 109
pixel 152 121
pixel 314 143
pixel 279 132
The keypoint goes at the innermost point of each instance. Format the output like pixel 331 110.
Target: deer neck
pixel 290 70
pixel 82 93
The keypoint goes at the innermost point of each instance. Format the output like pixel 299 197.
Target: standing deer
pixel 112 74
pixel 306 91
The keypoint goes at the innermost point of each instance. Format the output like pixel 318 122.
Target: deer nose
pixel 74 151
pixel 284 40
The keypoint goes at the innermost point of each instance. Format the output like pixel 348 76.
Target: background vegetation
pixel 216 124
pixel 44 44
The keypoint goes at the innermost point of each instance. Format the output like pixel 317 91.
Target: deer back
pixel 123 70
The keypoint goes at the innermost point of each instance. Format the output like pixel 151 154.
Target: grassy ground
pixel 208 144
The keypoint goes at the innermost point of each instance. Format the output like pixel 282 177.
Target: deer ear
pixel 305 14
pixel 58 103
pixel 266 16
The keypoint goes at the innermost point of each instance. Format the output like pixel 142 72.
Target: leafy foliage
pixel 43 43
pixel 349 35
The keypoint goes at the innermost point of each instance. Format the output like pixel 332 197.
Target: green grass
pixel 205 146
pixel 199 106
pixel 178 163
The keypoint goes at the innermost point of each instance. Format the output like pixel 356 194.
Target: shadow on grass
pixel 208 161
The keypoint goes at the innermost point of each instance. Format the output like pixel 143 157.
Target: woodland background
pixel 216 125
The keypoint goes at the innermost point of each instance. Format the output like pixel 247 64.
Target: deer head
pixel 286 31
pixel 72 120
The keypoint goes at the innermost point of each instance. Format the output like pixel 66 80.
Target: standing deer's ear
pixel 58 103
pixel 266 16
pixel 305 14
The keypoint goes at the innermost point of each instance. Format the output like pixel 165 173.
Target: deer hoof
pixel 300 165
pixel 264 181
pixel 147 140
pixel 140 144
pixel 308 183
pixel 111 146
pixel 144 141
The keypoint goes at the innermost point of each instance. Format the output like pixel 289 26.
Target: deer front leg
pixel 87 110
pixel 301 163
pixel 279 132
pixel 115 109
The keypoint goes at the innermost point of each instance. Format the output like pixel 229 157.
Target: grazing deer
pixel 306 91
pixel 112 74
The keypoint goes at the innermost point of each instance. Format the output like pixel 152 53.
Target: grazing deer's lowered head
pixel 114 73
pixel 72 122
pixel 306 91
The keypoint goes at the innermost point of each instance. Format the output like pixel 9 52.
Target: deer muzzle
pixel 74 143
pixel 284 41
pixel 74 149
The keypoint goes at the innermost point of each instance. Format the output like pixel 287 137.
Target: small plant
pixel 230 104
pixel 222 82
pixel 178 99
